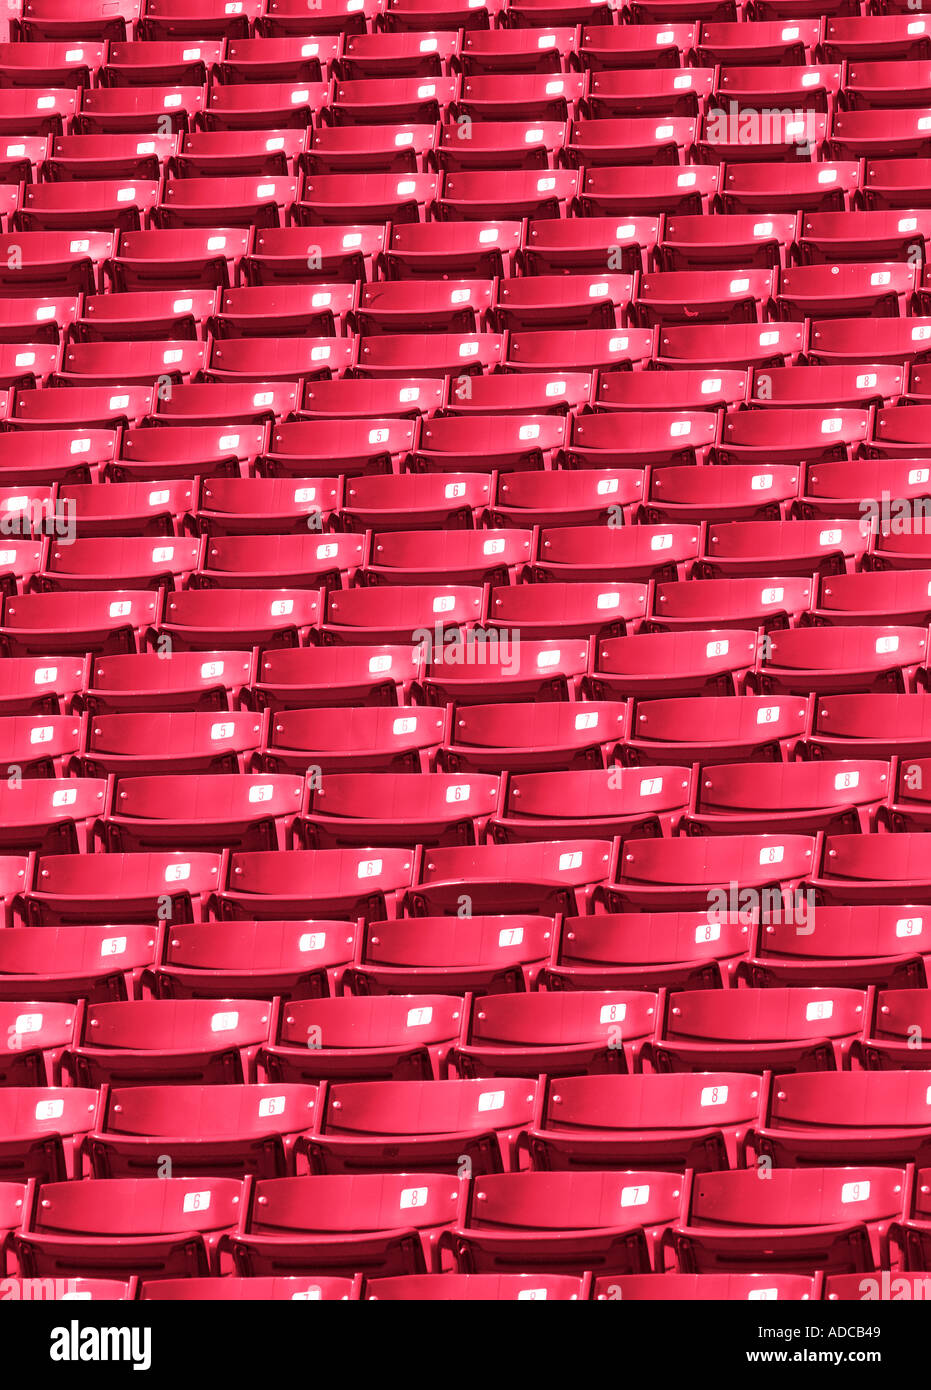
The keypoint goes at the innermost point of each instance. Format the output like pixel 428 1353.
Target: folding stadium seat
pixel 685 493
pixel 790 547
pixel 707 662
pixel 616 801
pixel 904 434
pixel 49 207
pixel 880 37
pixel 907 799
pixel 424 1126
pixel 497 193
pixel 526 96
pixel 895 1025
pixel 186 742
pixel 534 13
pixel 178 19
pixel 500 1288
pixel 131 110
pixel 12 1201
pixel 894 132
pixel 566 610
pixel 776 1030
pixel 55 64
pixel 391 399
pixel 630 140
pixel 482 442
pixel 286 17
pixel 869 944
pixel 53 262
pixel 233 1288
pixel 40 685
pixel 77 621
pixel 153 682
pixel 332 882
pixel 395 613
pixel 205 619
pixel 299 561
pixel 799 435
pixel 729 603
pixel 339 446
pixel 652 950
pixel 400 739
pixel 47 814
pixel 527 737
pixel 568 1222
pixel 370 101
pixel 77 158
pixel 566 498
pixel 771 187
pixel 429 354
pixel 28 365
pixel 436 557
pixel 667 1122
pixel 434 250
pixel 247 811
pixel 44 1129
pixel 278 359
pixel 580 349
pixel 884 84
pixel 561 301
pixel 647 91
pixel 568 1034
pixel 112 1227
pixel 93 963
pixel 720 346
pixel 154 1041
pixel 887 596
pixel 882 340
pixel 681 1288
pixel 635 46
pixel 863 1116
pixel 555 393
pixel 397 54
pixel 369 149
pixel 37 1034
pixel 840 659
pixel 266 506
pixel 694 243
pixel 397 808
pixel 42 746
pixel 688 873
pixel 450 955
pixel 238 200
pixel 908 1239
pixel 20 158
pixel 408 500
pixel 337 1224
pixel 298 310
pixel 712 296
pixel 760 87
pixel 670 390
pixel 831 796
pixel 36 110
pixel 549 876
pixel 360 1039
pixel 832 1219
pixel 845 290
pixel 234 153
pixel 642 191
pixel 471 669
pixel 304 959
pixel 871 869
pixel 342 199
pixel 647 437
pixel 137 509
pixel 869 725
pixel 312 677
pixel 895 183
pixel 614 553
pixel 283 255
pixel 132 562
pixel 179 257
pixel 236 399
pixel 843 384
pixel 467 145
pixel 143 315
pixel 31 512
pixel 81 888
pixel 216 1130
pixel 263 105
pixel 506 50
pixel 150 62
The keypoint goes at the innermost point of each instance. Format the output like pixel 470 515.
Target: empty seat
pixel 745 797
pixel 730 345
pixel 554 875
pixel 170 741
pixel 38 1031
pixel 126 110
pixel 713 661
pixel 151 682
pixel 617 801
pixel 179 257
pixel 635 193
pixel 727 240
pixel 526 736
pixel 673 1122
pixel 613 553
pixel 340 883
pixel 397 808
pixel 89 962
pixel 867 868
pixel 713 296
pixel 566 610
pixel 283 255
pixel 263 105
pixel 832 1219
pixel 76 621
pixel 48 814
pixel 331 445
pixel 79 888
pixel 845 289
pixel 636 46
pixel 248 960
pixel 315 676
pixel 869 725
pixel 433 249
pixel 632 950
pixel 870 943
pixel 855 1116
pixel 841 659
pixel 789 188
pixel 689 873
pixel 110 1226
pixel 479 954
pixel 204 619
pixel 789 547
pixel 425 500
pixel 132 562
pixel 364 1039
pixel 429 354
pixel 250 811
pixel 299 561
pixel 174 62
pixel 489 144
pixel 511 193
pixel 568 498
